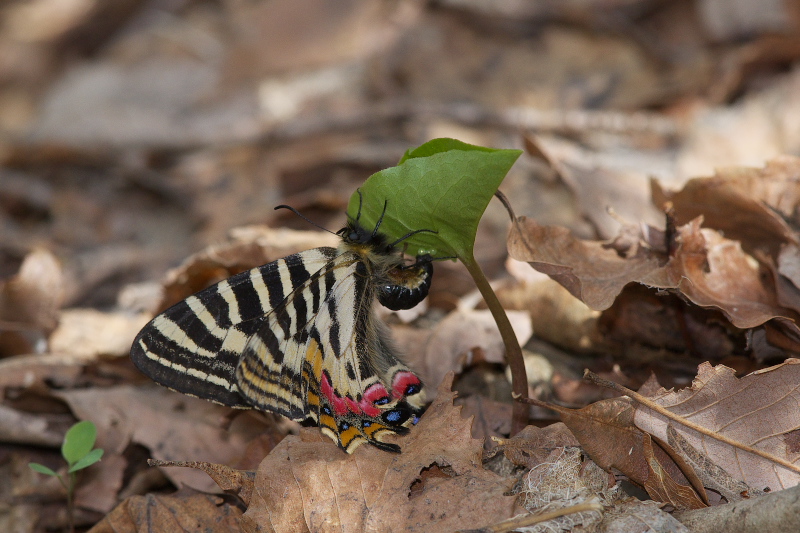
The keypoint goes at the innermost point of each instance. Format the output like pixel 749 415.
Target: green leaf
pixel 87 460
pixel 443 186
pixel 36 467
pixel 78 441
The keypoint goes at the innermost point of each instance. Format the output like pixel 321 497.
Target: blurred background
pixel 133 133
pixel 144 144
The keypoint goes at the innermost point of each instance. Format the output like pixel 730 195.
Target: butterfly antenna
pixel 301 215
pixel 360 202
pixel 411 234
pixel 378 225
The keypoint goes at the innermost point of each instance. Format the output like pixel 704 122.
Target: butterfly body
pixel 299 337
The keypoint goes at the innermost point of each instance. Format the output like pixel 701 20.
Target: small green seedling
pixel 77 451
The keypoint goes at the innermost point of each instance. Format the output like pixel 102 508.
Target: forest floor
pixel 144 145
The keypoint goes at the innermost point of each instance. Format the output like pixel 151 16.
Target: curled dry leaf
pixel 29 303
pixel 231 480
pixel 436 484
pixel 743 203
pixel 758 410
pixel 705 267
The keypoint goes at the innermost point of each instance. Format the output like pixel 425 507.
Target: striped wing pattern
pixel 298 337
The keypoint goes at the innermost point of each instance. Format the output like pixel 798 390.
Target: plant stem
pixel 519 378
pixel 70 503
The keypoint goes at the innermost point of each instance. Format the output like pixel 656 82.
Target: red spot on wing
pixel 374 393
pixel 337 402
pixel 402 381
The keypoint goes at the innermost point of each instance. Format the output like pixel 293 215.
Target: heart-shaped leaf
pixel 442 186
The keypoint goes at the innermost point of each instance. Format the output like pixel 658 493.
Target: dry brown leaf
pixel 31 371
pixel 249 247
pixel 596 185
pixel 308 484
pixel 634 516
pixel 85 334
pixel 173 426
pixel 532 445
pixel 758 410
pixel 231 480
pixel 787 278
pixel 708 269
pixel 29 303
pixel 185 511
pixel 448 346
pixel 556 315
pixel 490 418
pixel 743 203
pixel 606 432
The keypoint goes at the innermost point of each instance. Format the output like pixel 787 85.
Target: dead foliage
pixel 144 145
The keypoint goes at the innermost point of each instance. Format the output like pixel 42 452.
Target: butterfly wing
pixel 337 366
pixel 195 346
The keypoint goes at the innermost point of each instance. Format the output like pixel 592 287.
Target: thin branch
pixel 528 520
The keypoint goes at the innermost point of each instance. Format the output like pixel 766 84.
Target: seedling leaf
pixel 36 467
pixel 443 186
pixel 78 441
pixel 87 460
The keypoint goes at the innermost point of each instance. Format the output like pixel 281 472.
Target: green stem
pixel 519 378
pixel 70 503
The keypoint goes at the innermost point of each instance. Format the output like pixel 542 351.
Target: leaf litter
pixel 194 137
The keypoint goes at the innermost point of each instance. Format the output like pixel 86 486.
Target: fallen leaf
pixel 712 476
pixel 231 480
pixel 448 346
pixel 248 247
pixel 85 334
pixel 29 303
pixel 758 410
pixel 308 484
pixel 532 445
pixel 705 267
pixel 597 184
pixel 490 418
pixel 606 431
pixel 743 203
pixel 186 510
pixel 171 425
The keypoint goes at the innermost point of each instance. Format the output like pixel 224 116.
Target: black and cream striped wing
pixel 320 328
pixel 195 346
pixel 335 367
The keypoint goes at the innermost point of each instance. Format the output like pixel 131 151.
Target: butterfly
pixel 300 337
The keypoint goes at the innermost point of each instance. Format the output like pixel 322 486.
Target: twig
pixel 527 520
